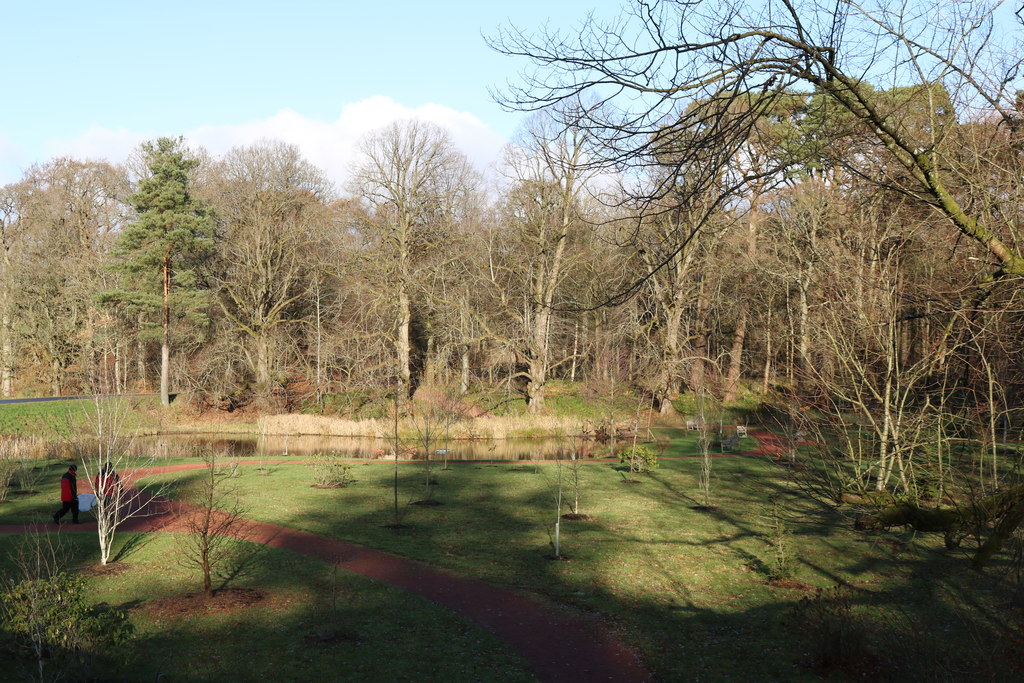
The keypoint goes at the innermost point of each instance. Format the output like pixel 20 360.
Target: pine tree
pixel 160 250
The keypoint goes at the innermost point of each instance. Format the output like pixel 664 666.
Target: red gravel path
pixel 559 645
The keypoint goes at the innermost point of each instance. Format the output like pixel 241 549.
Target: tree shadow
pixel 913 608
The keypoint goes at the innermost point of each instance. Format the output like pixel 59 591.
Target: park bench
pixel 731 443
pixel 692 424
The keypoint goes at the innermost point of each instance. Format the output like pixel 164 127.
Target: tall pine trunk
pixel 165 344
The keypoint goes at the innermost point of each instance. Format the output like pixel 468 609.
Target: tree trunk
pixel 736 358
pixel 7 360
pixel 575 351
pixel 804 344
pixel 165 345
pixel 700 341
pixel 55 381
pixel 537 361
pixel 262 360
pixel 319 346
pixel 429 371
pixel 732 376
pixel 402 344
pixel 535 389
pixel 767 349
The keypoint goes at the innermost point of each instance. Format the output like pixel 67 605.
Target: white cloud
pixel 331 145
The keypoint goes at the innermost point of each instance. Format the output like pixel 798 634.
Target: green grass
pixel 58 419
pixel 398 637
pixel 686 586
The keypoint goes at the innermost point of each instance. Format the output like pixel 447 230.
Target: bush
pixel 49 620
pixel 8 468
pixel 28 476
pixel 330 472
pixel 639 458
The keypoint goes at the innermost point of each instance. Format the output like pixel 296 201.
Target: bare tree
pixel 527 265
pixel 650 66
pixel 214 524
pixel 105 442
pixel 274 207
pixel 414 178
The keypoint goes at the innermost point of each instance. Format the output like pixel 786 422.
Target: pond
pixel 367 448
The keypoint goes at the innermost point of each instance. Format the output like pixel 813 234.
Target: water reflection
pixel 366 448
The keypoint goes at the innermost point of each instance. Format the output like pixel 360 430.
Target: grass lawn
pixel 314 623
pixel 688 586
pixel 55 419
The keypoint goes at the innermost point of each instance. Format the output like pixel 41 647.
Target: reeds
pixel 21 447
pixel 505 427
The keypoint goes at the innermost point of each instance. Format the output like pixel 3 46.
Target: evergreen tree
pixel 160 250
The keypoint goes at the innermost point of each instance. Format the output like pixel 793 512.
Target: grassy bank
pixel 60 419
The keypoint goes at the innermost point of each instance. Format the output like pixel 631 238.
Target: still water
pixel 367 448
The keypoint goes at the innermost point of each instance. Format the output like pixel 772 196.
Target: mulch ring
pixel 223 600
pixel 791 584
pixel 109 569
pixel 576 516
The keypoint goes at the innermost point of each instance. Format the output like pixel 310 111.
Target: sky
pixel 92 80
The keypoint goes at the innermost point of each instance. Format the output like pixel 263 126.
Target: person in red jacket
pixel 106 482
pixel 68 495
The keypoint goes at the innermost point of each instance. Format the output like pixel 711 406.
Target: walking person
pixel 68 495
pixel 106 482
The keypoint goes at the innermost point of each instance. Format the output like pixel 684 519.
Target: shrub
pixel 8 468
pixel 330 472
pixel 49 620
pixel 27 476
pixel 639 458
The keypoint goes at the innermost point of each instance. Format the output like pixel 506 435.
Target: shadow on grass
pixel 687 588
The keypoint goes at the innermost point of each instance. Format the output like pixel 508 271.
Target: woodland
pixel 819 212
pixel 804 218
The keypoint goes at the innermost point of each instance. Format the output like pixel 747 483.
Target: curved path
pixel 559 645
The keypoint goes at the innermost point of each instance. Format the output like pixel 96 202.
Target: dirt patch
pixel 224 600
pixel 109 569
pixel 576 516
pixel 789 584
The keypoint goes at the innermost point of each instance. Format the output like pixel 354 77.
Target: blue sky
pixel 92 79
